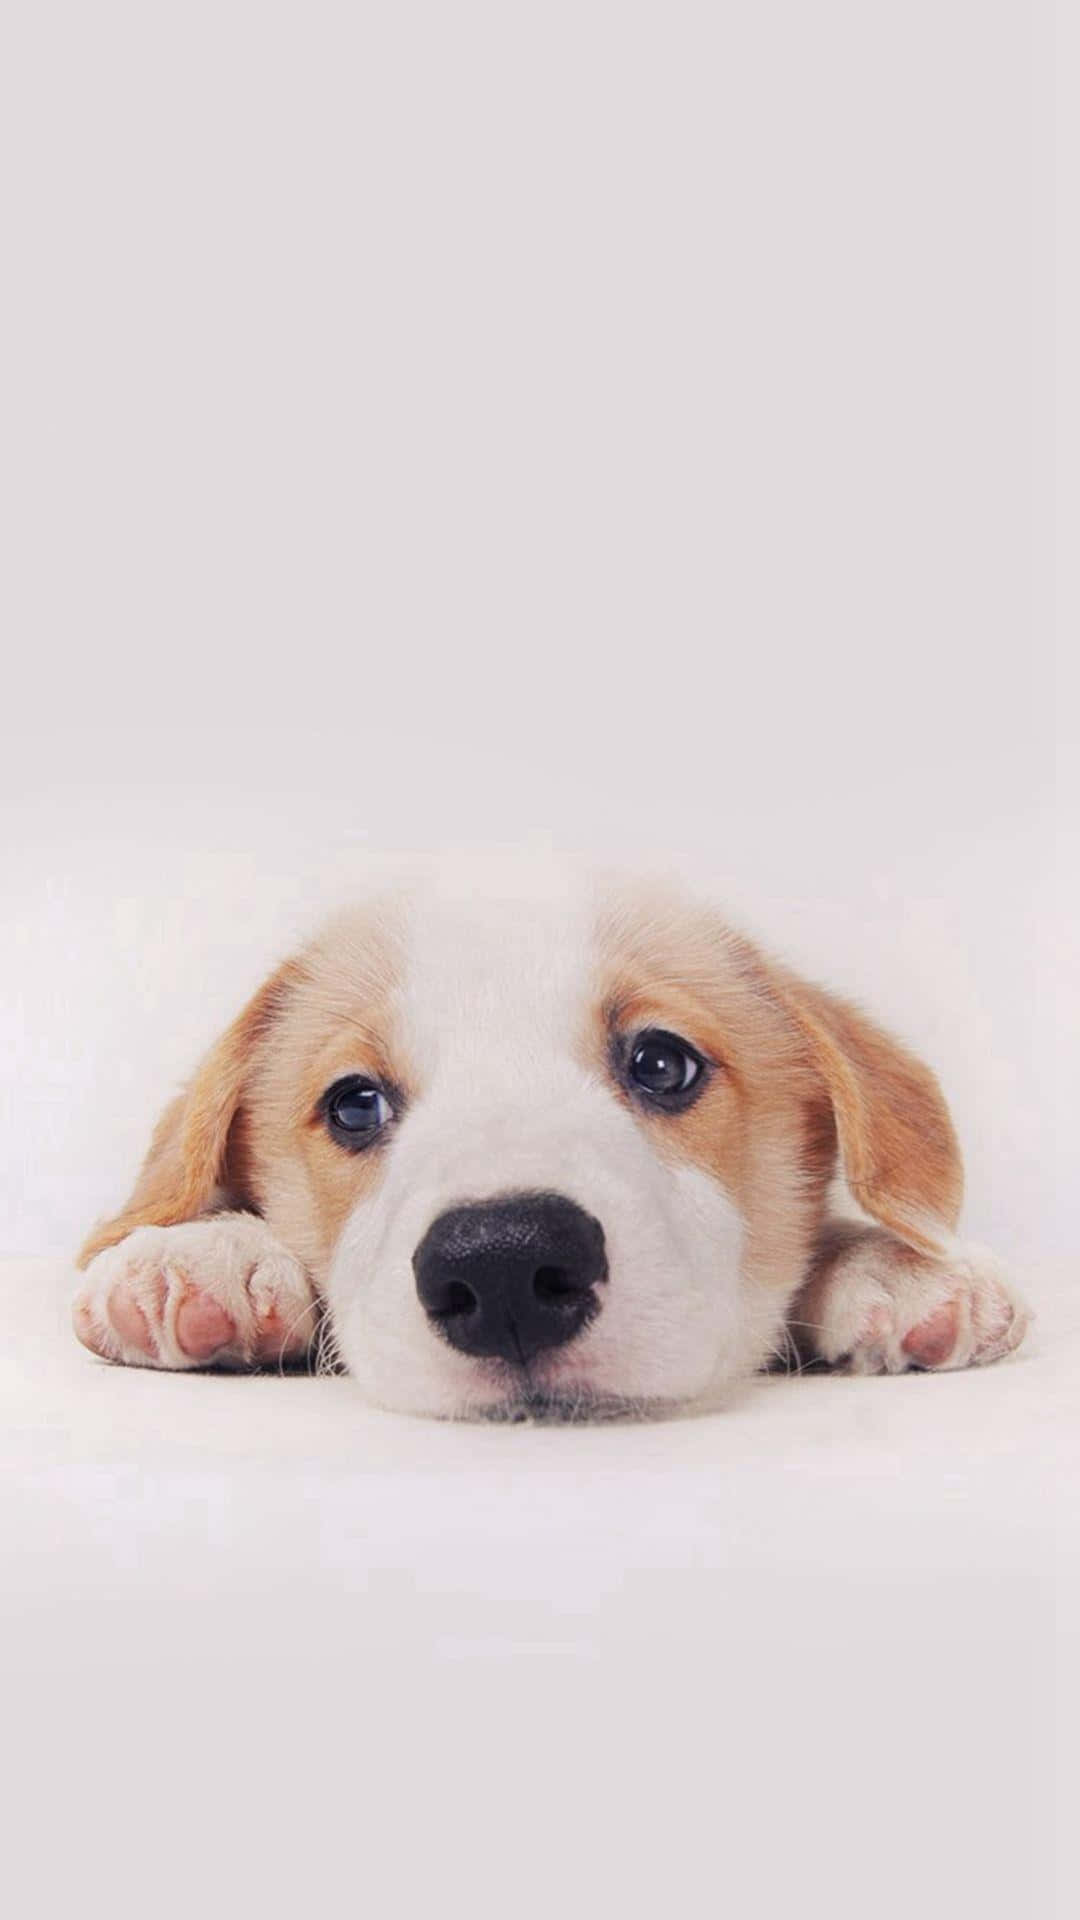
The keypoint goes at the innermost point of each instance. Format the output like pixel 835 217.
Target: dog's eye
pixel 355 1110
pixel 664 1066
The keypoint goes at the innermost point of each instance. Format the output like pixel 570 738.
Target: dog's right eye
pixel 669 1071
pixel 355 1110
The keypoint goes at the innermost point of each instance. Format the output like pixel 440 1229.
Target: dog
pixel 562 1148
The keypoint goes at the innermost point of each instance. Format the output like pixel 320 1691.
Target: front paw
pixel 220 1292
pixel 883 1308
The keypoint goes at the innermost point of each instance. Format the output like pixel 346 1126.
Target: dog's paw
pixel 883 1308
pixel 210 1293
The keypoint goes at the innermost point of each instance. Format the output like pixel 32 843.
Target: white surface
pixel 425 421
pixel 619 421
pixel 821 1647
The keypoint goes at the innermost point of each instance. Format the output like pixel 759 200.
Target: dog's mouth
pixel 555 1389
pixel 584 1406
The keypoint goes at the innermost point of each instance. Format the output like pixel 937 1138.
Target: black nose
pixel 513 1276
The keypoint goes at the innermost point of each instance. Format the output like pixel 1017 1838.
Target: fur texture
pixel 496 1012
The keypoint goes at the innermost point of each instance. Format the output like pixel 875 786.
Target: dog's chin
pixel 545 1392
pixel 553 1406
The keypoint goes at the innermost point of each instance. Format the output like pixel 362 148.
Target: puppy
pixel 558 1150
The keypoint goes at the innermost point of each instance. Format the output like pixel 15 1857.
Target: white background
pixel 630 424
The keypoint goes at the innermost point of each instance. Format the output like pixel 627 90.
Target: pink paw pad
pixel 129 1322
pixel 202 1327
pixel 931 1342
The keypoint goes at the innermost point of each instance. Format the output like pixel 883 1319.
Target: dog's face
pixel 562 1149
pixel 524 1154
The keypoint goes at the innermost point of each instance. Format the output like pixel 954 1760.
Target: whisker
pixel 312 1306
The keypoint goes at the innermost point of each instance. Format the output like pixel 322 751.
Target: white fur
pixel 232 1259
pixel 494 1004
pixel 873 1306
pixel 495 1011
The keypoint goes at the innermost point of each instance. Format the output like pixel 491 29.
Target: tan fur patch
pixel 797 1074
pixel 901 1155
pixel 187 1160
pixel 761 1126
pixel 246 1133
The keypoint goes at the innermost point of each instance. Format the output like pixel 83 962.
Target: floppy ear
pixel 900 1154
pixel 187 1171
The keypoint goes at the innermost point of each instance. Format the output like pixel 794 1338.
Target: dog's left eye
pixel 664 1066
pixel 355 1109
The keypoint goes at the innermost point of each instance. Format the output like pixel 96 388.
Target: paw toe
pixel 285 1313
pixel 931 1341
pixel 202 1326
pixel 86 1327
pixel 1000 1322
pixel 129 1322
pixel 279 1339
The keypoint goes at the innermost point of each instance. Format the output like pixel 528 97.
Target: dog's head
pixel 564 1148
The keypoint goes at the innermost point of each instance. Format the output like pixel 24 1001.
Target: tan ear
pixel 186 1169
pixel 900 1154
